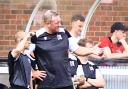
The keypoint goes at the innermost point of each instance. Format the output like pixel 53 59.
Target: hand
pixel 75 80
pixel 123 36
pixel 81 79
pixel 85 85
pixel 39 74
pixel 97 50
pixel 122 40
pixel 30 34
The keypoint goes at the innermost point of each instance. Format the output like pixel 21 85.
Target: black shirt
pixel 51 52
pixel 19 70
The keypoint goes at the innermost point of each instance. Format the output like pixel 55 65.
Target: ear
pixel 73 23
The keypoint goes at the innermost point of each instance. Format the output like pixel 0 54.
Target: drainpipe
pixel 88 17
pixel 35 10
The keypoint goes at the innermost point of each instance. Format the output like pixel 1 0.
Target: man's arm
pixel 82 51
pixel 20 46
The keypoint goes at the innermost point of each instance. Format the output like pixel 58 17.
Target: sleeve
pixel 32 45
pixel 104 42
pixel 10 62
pixel 33 39
pixel 73 46
pixel 67 33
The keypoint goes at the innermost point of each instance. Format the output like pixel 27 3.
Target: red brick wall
pixel 14 15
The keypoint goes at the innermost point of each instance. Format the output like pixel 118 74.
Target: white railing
pixel 116 77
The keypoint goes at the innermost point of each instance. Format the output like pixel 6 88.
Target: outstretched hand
pixel 97 50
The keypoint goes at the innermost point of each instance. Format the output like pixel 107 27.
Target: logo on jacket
pixel 59 37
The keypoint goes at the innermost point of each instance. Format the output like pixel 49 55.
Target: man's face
pixel 77 27
pixel 120 34
pixel 55 24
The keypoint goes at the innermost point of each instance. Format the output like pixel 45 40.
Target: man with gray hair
pixel 51 52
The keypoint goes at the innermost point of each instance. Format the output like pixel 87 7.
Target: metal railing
pixel 115 73
pixel 116 77
pixel 4 77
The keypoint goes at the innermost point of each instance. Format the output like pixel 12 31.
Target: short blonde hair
pixel 19 36
pixel 48 15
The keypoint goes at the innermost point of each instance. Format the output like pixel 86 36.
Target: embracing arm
pixel 83 51
pixel 20 46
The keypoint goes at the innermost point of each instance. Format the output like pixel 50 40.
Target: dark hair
pixel 78 17
pixel 2 86
pixel 118 26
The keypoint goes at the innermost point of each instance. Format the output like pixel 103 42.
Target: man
pixel 115 47
pixel 51 51
pixel 77 22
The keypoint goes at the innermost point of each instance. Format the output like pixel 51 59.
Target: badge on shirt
pixel 45 38
pixel 72 63
pixel 91 68
pixel 59 37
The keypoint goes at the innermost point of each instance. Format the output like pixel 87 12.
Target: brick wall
pixel 14 15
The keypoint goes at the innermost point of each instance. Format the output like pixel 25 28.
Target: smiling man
pixel 51 52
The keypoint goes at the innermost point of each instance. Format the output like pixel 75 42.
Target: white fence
pixel 116 76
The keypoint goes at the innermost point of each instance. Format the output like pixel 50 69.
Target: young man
pixel 115 47
pixel 20 64
pixel 51 52
pixel 77 22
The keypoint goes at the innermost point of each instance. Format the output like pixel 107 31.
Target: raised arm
pixel 20 43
